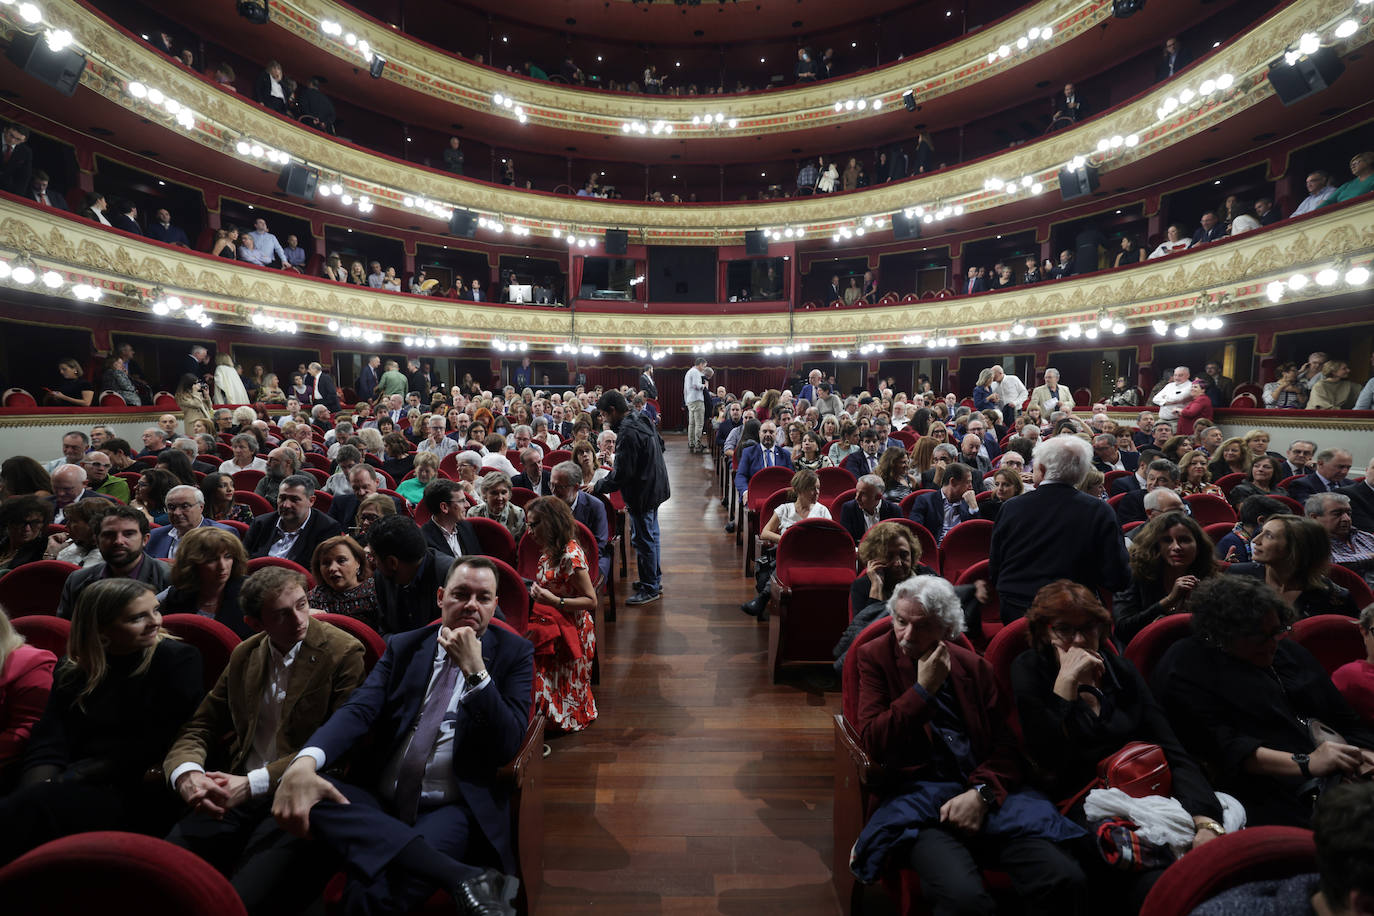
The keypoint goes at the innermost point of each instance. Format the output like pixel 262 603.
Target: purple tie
pixel 412 774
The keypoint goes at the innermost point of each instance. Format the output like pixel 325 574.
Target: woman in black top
pixel 1292 554
pixel 25 520
pixel 207 573
pixel 1130 252
pixel 118 700
pixel 1170 556
pixel 1243 698
pixel 73 390
pixel 1079 702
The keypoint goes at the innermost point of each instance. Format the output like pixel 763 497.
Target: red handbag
pixel 1138 769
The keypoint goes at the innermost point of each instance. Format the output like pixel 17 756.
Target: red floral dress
pixel 563 650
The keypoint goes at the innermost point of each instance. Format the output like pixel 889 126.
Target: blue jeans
pixel 644 537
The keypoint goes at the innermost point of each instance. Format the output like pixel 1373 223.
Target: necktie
pixel 412 772
pixel 872 463
pixel 768 457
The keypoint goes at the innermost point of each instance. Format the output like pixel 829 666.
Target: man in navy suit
pixel 867 508
pixel 946 507
pixel 768 454
pixel 566 484
pixel 865 460
pixel 322 387
pixel 442 711
pixel 534 476
pixel 185 507
pixel 1333 464
pixel 295 529
pixel 367 379
pixel 1209 229
pixel 810 390
pixel 1107 457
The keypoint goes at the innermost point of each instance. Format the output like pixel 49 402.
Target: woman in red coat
pixel 25 681
pixel 1199 406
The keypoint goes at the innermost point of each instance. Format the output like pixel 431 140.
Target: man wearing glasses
pixel 185 507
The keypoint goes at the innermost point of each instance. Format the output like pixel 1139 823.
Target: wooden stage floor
pixel 702 787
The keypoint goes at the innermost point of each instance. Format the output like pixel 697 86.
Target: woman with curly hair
pixel 846 444
pixel 894 467
pixel 20 475
pixel 1170 555
pixel 207 573
pixel 150 494
pixel 1195 476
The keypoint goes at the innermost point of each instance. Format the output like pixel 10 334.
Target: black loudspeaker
pixel 1309 75
pixel 1125 9
pixel 617 241
pixel 1078 183
pixel 903 228
pixel 59 69
pixel 255 11
pixel 298 181
pixel 378 65
pixel 756 242
pixel 463 223
pixel 909 100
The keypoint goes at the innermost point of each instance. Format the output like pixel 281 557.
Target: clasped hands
pixel 213 793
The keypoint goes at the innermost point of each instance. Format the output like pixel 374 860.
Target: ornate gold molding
pixel 1238 270
pixel 223 118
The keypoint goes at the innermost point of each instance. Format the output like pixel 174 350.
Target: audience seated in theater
pixel 398 461
pixel 185 513
pixel 1350 547
pixel 25 681
pixel 1251 515
pixel 1160 473
pixel 894 469
pixel 162 230
pixel 1241 697
pixel 1079 703
pixel 1194 475
pixel 1108 456
pixel 206 576
pixel 865 459
pixel 1006 485
pixel 1210 229
pixel 116 379
pixel 1335 391
pixel 868 508
pixel 1170 555
pixel 270 88
pixel 954 502
pixel 25 519
pixel 561 625
pixel 1361 182
pixel 406 863
pixel 1081 531
pixel 919 696
pixel 565 483
pixel 124 215
pixel 1320 189
pixel 800 503
pixel 1260 480
pixel 447 531
pixel 74 390
pixel 1288 392
pixel 1355 680
pixel 295 529
pixel 20 475
pixel 374 507
pixel 68 488
pixel 263 717
pixel 78 543
pixel 890 555
pixel 1361 495
pixel 282 463
pixel 494 489
pixel 766 452
pixel 408 573
pixel 1328 473
pixel 175 462
pixel 94 208
pixel 345 584
pixel 534 475
pixel 1292 555
pixel 117 701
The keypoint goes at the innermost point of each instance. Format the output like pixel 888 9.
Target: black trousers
pixel 272 871
pixel 36 814
pixel 1044 876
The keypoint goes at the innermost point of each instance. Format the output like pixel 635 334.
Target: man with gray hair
pixel 1055 532
pixel 1011 393
pixel 921 696
pixel 68 486
pixel 1051 396
pixel 867 508
pixel 565 480
pixel 1159 474
pixel 524 438
pixel 282 462
pixel 74 445
pixel 1175 393
pixel 155 441
pixel 185 507
pixel 1350 547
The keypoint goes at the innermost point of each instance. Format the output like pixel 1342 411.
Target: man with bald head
pixel 1175 393
pixel 168 424
pixel 185 507
pixel 282 462
pixel 810 391
pixel 68 486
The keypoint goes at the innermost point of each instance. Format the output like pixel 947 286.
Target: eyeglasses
pixel 1277 633
pixel 1067 632
pixel 32 523
pixel 179 507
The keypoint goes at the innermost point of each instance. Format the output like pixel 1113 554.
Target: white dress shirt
pixel 1171 399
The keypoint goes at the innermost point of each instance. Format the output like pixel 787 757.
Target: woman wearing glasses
pixel 1257 709
pixel 1079 702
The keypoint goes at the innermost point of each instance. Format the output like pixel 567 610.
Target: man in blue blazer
pixel 865 460
pixel 185 507
pixel 443 710
pixel 1328 475
pixel 566 483
pixel 946 507
pixel 768 454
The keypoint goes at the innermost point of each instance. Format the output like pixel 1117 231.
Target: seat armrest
pixel 518 770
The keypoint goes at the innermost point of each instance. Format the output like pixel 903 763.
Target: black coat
pixel 467 538
pixel 852 517
pixel 1361 503
pixel 328 391
pixel 544 488
pixel 16 174
pixel 230 612
pixel 639 473
pixel 262 534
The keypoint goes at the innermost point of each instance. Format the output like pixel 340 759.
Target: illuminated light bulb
pixel 242 147
pixel 958 209
pixel 1347 28
pixel 1046 31
pixel 1200 322
pixel 1170 104
pixel 1208 87
pixel 347 199
pixel 1186 96
pixel 1328 277
pixel 849 105
pixel 1132 139
pixel 30 13
pixel 160 308
pixel 1275 290
pixel 350 39
pixel 1182 331
pixel 839 106
pixel 255 151
pixel 877 104
pixel 336 188
pixel 324 190
pixel 1357 276
pixel 155 96
pixel 1103 145
pixel 1090 333
pixel 1022 43
pixel 1117 141
pixel 1225 81
pixel 498 99
pixel 1309 43
pixel 1297 282
pixel 1032 331
pixel 862 104
pixel 138 90
pixel 1004 51
pixel 333 325
pixel 719 117
pixel 732 123
pixel 1033 33
pixel 1104 322
pixel 1037 188
pixel 58 39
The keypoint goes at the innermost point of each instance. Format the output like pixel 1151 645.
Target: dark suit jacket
pixel 1361 504
pixel 467 538
pixel 523 480
pixel 1202 236
pixel 856 463
pixel 125 222
pixel 172 235
pixel 1181 59
pixel 160 541
pixel 16 175
pixel 344 509
pixel 366 384
pixel 262 534
pixel 894 713
pixel 377 719
pixel 329 392
pixel 975 285
pixel 646 385
pixel 328 667
pixel 1131 508
pixel 929 510
pixel 55 200
pixel 852 517
pixel 262 93
pixel 1308 485
pixel 1129 460
pixel 752 460
pixel 590 511
pixel 154 572
pixel 1125 484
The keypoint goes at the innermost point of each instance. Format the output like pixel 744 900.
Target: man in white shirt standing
pixel 1175 394
pixel 1011 393
pixel 694 396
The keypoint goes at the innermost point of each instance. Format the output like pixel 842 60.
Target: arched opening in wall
pixel 753 279
pixel 816 282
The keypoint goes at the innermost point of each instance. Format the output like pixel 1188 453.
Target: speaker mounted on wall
pixel 617 241
pixel 1306 76
pixel 463 224
pixel 59 69
pixel 1077 182
pixel 755 242
pixel 298 181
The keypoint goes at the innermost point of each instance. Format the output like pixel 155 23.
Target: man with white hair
pixel 1055 532
pixel 185 507
pixel 932 711
pixel 1350 547
pixel 437 441
pixel 1011 393
pixel 1051 396
pixel 809 391
pixel 1176 393
pixel 68 486
pixel 524 438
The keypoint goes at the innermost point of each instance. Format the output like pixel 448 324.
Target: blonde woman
pixel 270 392
pixel 228 386
pixel 25 680
pixel 1195 476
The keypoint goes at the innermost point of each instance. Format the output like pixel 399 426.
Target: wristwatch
pixel 986 795
pixel 475 680
pixel 1302 761
pixel 1212 826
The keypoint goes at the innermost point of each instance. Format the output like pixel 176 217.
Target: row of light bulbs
pixel 787 349
pixel 572 348
pixel 428 342
pixel 937 340
pixel 23 272
pixel 1043 33
pixel 715 346
pixel 353 332
pixel 1326 278
pixel 1018 329
pixel 274 325
pixel 653 354
pixel 498 100
pixel 163 305
pixel 509 346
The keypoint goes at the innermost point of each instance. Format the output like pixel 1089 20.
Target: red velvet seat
pixel 215 641
pixel 323 500
pixel 111 872
pixel 1333 639
pixel 18 398
pixel 255 503
pixel 521 496
pixel 259 562
pixel 316 460
pixel 1111 476
pixel 1227 482
pixel 320 478
pixel 110 399
pixel 834 481
pixel 373 644
pixel 964 544
pixel 44 632
pixel 34 588
pixel 554 456
pixel 1254 854
pixel 1359 590
pixel 1291 503
pixel 247 479
pixel 165 400
pixel 991 616
pixel 1215 532
pixel 1148 646
pixel 1208 509
pixel 1010 641
pixel 1245 400
pixel 764 483
pixel 495 538
pixel 836 503
pixel 815 569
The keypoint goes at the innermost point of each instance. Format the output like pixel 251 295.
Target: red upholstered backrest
pixel 1333 639
pixel 373 644
pixel 495 538
pixel 106 871
pixel 834 481
pixel 259 562
pixel 767 481
pixel 1010 641
pixel 815 542
pixel 1254 854
pixel 836 502
pixel 215 641
pixel 1148 646
pixel 44 632
pixel 34 588
pixel 1208 509
pixel 964 544
pixel 1352 581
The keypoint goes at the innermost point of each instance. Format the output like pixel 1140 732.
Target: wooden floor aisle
pixel 702 787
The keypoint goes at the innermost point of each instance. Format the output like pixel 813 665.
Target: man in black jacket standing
pixel 642 478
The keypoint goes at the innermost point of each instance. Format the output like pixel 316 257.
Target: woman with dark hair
pixel 894 467
pixel 193 397
pixel 116 378
pixel 1006 484
pixel 561 625
pixel 1288 392
pixel 1257 709
pixel 890 553
pixel 1130 253
pixel 799 503
pixel 1170 555
pixel 1198 407
pixel 1292 554
pixel 845 444
pixel 376 506
pixel 20 475
pixel 25 520
pixel 1261 480
pixel 73 390
pixel 1079 703
pixel 399 461
pixel 207 574
pixel 118 699
pixel 218 490
pixel 150 493
pixel 176 462
pixel 345 580
pixel 808 455
pixel 226 243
